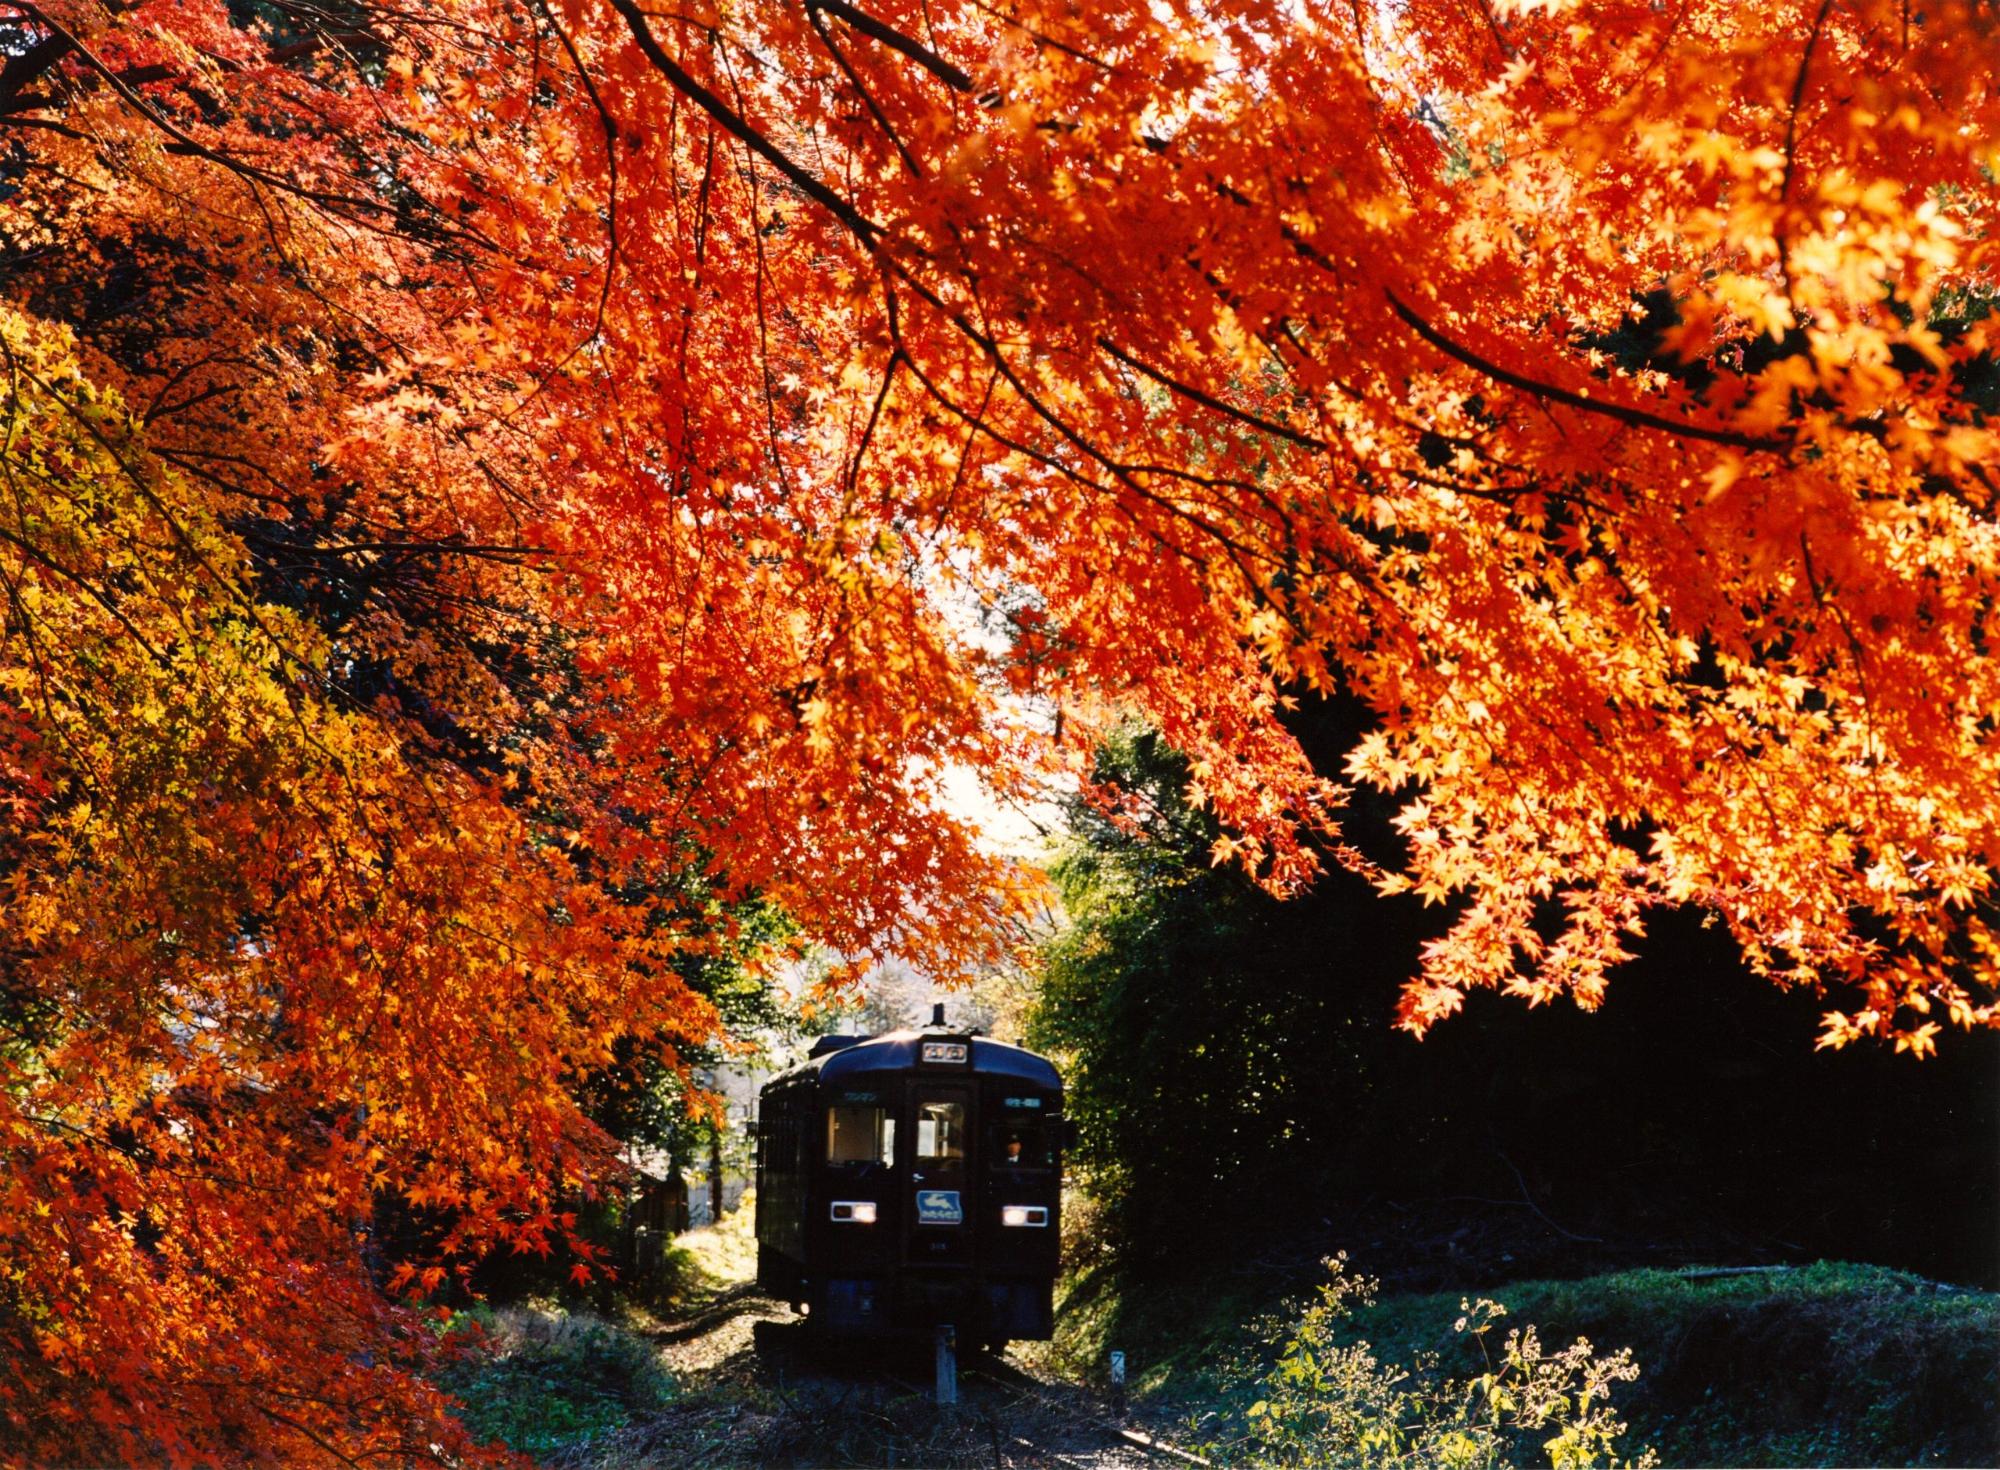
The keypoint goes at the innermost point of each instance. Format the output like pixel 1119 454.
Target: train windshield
pixel 860 1134
pixel 940 1131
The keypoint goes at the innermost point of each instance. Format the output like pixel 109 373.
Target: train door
pixel 937 1216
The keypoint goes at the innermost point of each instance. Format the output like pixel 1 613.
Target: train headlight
pixel 854 1211
pixel 1024 1215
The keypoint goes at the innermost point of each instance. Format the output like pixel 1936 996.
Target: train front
pixel 937 1193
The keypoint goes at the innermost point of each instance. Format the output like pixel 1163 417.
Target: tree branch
pixel 865 229
pixel 24 69
pixel 1637 418
pixel 1196 395
pixel 895 40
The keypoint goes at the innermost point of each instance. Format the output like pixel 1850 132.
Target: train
pixel 912 1180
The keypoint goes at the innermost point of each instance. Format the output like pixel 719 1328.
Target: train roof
pixel 897 1051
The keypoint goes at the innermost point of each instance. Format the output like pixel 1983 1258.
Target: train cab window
pixel 860 1135
pixel 1023 1143
pixel 940 1131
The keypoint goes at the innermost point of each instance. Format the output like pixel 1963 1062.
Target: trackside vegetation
pixel 542 1381
pixel 1821 1365
pixel 1826 1364
pixel 1330 1399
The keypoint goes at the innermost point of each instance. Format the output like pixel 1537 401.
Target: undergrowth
pixel 1331 1400
pixel 542 1381
pixel 1823 1365
pixel 1828 1364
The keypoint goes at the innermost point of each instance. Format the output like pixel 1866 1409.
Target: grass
pixel 1829 1364
pixel 1176 1336
pixel 703 1263
pixel 558 1385
pixel 543 1381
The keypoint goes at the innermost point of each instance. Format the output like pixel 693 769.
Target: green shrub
pixel 541 1381
pixel 1332 1403
pixel 1828 1364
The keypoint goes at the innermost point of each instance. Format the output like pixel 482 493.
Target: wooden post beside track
pixel 947 1365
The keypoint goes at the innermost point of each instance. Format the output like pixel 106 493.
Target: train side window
pixel 940 1131
pixel 782 1145
pixel 860 1135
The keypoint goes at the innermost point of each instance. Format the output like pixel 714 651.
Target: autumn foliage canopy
pixel 485 485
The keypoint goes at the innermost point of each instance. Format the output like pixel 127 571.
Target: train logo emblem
pixel 939 1207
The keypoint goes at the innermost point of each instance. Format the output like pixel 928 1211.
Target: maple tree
pixel 490 485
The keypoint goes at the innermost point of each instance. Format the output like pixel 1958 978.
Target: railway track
pixel 1120 1441
pixel 762 1393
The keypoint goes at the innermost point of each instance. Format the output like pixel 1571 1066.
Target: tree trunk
pixel 715 1174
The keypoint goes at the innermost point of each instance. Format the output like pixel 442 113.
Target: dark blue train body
pixel 912 1179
